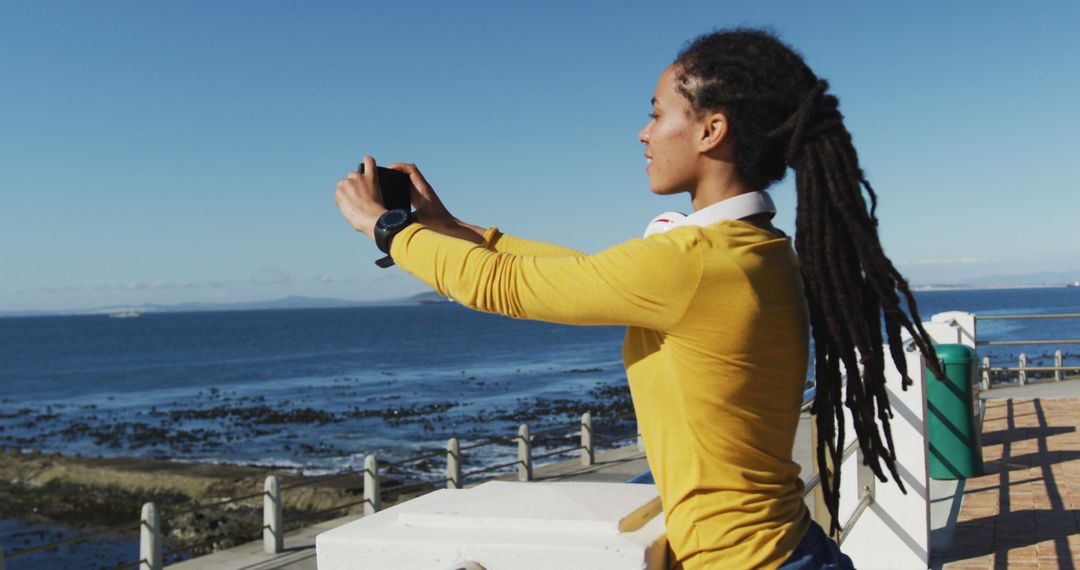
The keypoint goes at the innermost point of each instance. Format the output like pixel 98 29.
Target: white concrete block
pixel 944 333
pixel 503 524
pixel 964 323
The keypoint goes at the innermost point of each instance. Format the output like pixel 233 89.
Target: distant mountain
pixel 27 314
pixel 291 302
pixel 1040 278
pixel 430 297
pixel 1000 281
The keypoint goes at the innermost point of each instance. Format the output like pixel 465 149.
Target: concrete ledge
pixel 501 524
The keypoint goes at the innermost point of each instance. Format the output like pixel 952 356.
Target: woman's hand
pixel 430 210
pixel 360 200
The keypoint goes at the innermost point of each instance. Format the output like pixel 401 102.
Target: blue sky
pixel 187 151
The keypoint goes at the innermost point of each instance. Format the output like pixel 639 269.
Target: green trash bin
pixel 954 416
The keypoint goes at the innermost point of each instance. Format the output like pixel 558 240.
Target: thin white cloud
pixel 352 278
pixel 272 275
pixel 160 285
pixel 62 289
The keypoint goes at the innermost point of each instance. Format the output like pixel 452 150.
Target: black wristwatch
pixel 388 226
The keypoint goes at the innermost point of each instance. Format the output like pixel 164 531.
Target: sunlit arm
pixel 646 283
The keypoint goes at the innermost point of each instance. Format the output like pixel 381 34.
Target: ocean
pixel 315 389
pixel 318 389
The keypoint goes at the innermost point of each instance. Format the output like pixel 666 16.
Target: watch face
pixel 393 218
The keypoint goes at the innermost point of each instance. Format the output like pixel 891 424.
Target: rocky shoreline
pixel 153 454
pixel 312 426
pixel 103 493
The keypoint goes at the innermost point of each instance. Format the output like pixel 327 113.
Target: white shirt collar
pixel 734 208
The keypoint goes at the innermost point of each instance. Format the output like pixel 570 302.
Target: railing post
pixel 986 373
pixel 273 529
pixel 372 494
pixel 150 539
pixel 866 480
pixel 1057 373
pixel 588 456
pixel 453 464
pixel 524 454
pixel 1023 367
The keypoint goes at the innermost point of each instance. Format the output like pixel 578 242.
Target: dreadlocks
pixel 781 115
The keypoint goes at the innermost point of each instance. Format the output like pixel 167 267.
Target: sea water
pixel 320 388
pixel 316 388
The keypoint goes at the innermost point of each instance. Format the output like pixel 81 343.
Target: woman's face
pixel 670 139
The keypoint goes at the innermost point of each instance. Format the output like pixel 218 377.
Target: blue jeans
pixel 817 552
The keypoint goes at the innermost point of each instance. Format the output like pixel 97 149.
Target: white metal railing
pixel 1022 369
pixel 812 484
pixel 866 486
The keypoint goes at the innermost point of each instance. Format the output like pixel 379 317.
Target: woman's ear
pixel 715 129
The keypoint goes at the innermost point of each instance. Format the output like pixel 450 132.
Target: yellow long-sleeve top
pixel 715 353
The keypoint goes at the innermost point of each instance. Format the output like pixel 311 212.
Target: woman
pixel 717 311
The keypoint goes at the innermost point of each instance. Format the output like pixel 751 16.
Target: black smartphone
pixel 395 186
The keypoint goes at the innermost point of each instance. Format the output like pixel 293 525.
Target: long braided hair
pixel 780 115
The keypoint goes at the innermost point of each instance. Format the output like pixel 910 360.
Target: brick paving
pixel 1025 511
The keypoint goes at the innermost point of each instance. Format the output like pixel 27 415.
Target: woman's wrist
pixel 470 232
pixel 454 227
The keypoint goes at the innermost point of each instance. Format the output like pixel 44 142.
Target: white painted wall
pixel 894 532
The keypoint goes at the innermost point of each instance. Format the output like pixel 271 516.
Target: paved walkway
pixel 1025 511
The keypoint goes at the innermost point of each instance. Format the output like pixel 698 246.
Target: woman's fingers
pixel 429 207
pixel 420 192
pixel 368 180
pixel 417 179
pixel 369 166
pixel 359 199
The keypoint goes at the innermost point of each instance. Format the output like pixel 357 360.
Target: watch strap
pixel 384 233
